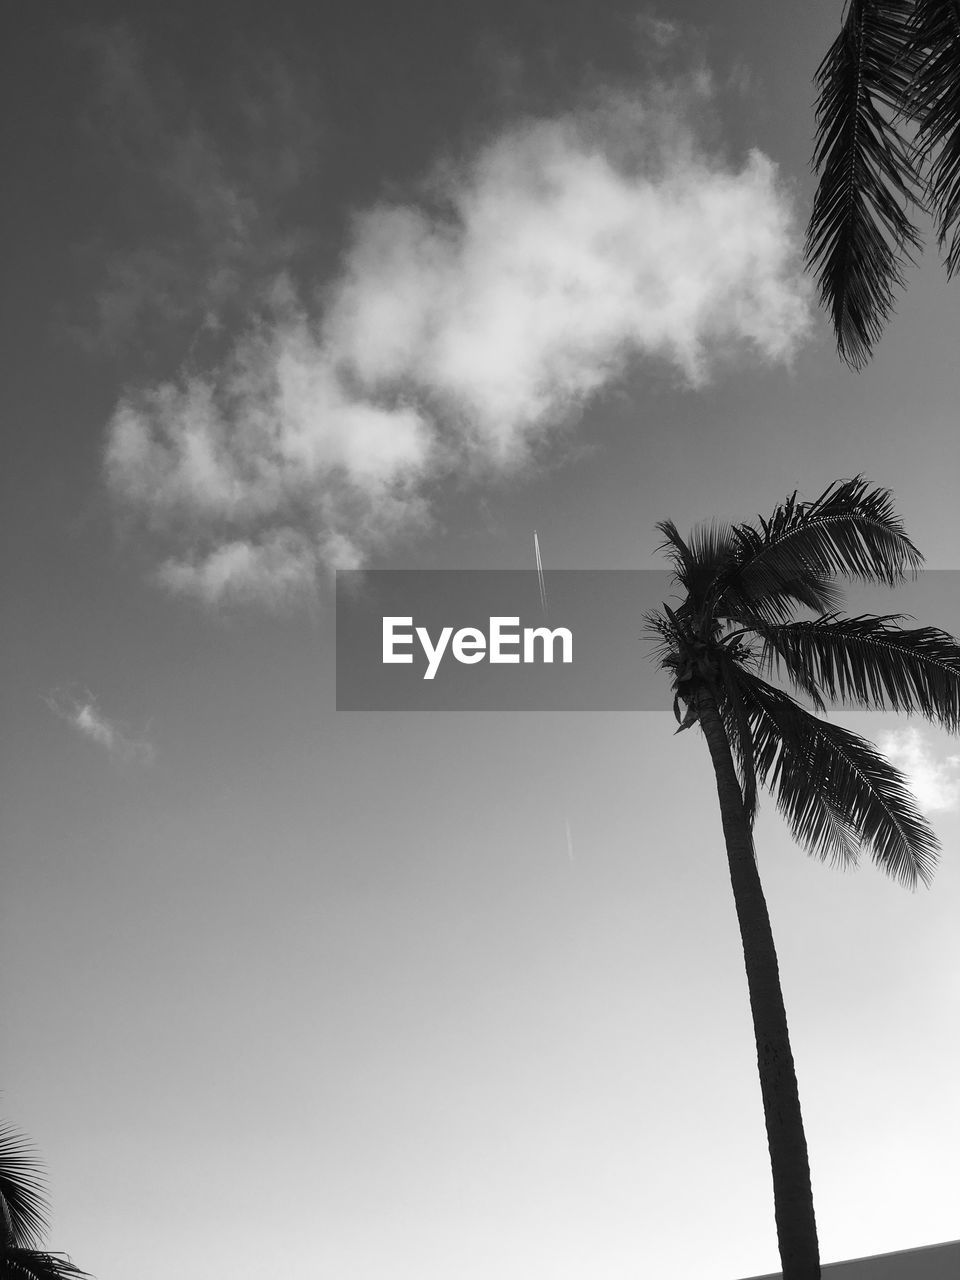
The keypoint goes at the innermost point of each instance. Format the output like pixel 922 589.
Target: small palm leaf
pixel 690 716
pixel 933 102
pixel 859 234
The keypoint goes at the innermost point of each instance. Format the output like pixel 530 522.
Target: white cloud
pixel 567 248
pixel 461 333
pixel 280 569
pixel 81 711
pixel 268 468
pixel 934 781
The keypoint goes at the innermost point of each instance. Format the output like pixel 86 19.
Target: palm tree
pixel 743 586
pixel 23 1217
pixel 888 146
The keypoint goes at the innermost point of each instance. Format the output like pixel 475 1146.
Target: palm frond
pixel 33 1264
pixel 850 531
pixel 674 545
pixel 933 102
pixel 776 653
pixel 768 595
pixel 836 791
pixel 870 662
pixel 697 561
pixel 656 627
pixel 859 233
pixel 813 820
pixel 710 544
pixel 23 1205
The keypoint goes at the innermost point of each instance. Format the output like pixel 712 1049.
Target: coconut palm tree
pixel 742 587
pixel 888 147
pixel 23 1217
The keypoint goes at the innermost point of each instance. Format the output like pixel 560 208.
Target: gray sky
pixel 287 991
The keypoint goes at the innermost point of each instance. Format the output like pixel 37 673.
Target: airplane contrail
pixel 540 582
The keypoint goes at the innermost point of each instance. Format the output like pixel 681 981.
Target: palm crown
pixel 888 145
pixel 743 586
pixel 23 1217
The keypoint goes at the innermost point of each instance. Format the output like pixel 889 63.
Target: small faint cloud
pixel 661 32
pixel 82 712
pixel 933 779
pixel 742 80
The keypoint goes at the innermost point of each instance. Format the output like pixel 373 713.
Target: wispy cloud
pixel 80 710
pixel 655 30
pixel 216 203
pixel 464 332
pixel 933 778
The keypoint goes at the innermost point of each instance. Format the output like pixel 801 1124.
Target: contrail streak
pixel 540 581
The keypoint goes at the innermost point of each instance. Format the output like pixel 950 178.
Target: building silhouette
pixel 930 1262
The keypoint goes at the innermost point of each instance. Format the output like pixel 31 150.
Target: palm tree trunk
pixel 792 1194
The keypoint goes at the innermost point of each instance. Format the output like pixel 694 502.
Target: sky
pixel 287 990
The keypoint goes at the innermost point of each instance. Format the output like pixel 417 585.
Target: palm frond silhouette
pixel 23 1216
pixel 887 149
